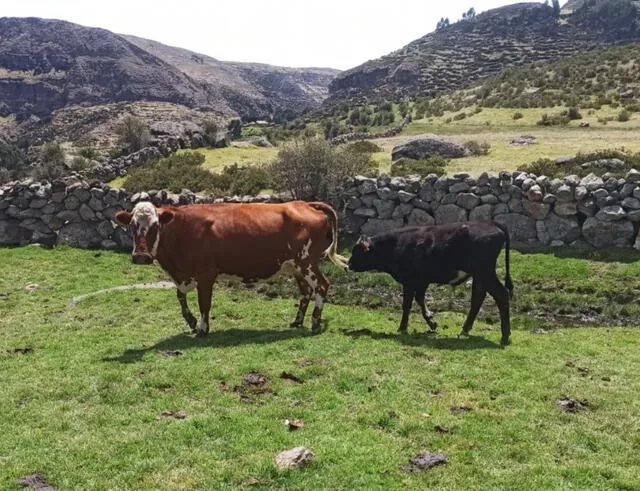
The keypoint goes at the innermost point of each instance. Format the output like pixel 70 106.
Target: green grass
pixel 218 158
pixel 82 408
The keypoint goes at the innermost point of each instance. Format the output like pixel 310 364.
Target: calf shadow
pixel 426 339
pixel 215 339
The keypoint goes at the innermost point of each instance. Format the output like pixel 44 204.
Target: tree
pixel 442 23
pixel 234 129
pixel 133 133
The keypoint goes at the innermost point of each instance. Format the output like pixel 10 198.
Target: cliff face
pixel 458 55
pixel 46 65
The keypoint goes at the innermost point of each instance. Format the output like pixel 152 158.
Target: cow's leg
pixel 408 294
pixel 320 286
pixel 205 290
pixel 305 297
pixel 501 295
pixel 426 313
pixel 478 294
pixel 186 313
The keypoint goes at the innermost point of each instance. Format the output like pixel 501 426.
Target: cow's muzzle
pixel 142 259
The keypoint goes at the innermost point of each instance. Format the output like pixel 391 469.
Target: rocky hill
pixel 47 65
pixel 454 56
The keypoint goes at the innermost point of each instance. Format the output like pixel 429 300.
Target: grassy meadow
pixel 114 394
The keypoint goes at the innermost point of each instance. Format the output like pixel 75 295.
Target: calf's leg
pixel 186 313
pixel 478 294
pixel 205 290
pixel 501 295
pixel 407 299
pixel 426 313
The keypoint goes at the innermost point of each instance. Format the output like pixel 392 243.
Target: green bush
pixel 364 146
pixel 234 129
pixel 459 116
pixel 517 115
pixel 312 169
pixel 78 163
pixel 133 133
pixel 13 162
pixel 477 148
pixel 624 116
pixel 174 173
pixel 88 153
pixel 542 167
pixel 51 162
pixel 432 165
pixel 573 113
pixel 553 120
pixel 245 179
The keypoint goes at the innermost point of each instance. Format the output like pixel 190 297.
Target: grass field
pixel 217 159
pixel 83 389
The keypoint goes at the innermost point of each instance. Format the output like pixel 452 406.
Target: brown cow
pixel 197 243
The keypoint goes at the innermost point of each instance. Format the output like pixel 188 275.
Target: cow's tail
pixel 332 251
pixel 507 245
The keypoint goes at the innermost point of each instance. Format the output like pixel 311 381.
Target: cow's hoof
pixel 296 325
pixel 463 334
pixel 201 334
pixel 505 342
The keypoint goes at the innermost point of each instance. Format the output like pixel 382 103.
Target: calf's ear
pixel 165 217
pixel 123 218
pixel 365 242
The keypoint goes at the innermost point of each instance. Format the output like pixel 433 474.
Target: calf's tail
pixel 507 244
pixel 332 251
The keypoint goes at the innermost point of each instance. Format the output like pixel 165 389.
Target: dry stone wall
pixel 592 212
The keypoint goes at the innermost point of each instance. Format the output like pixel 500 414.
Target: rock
pixel 81 235
pixel 611 213
pixel 549 199
pixel 515 206
pixel 296 457
pixel 427 192
pixel 566 209
pixel 633 176
pixel 428 147
pixel 587 207
pixel 86 213
pixel 376 226
pixel 71 202
pixel 384 207
pixel 489 199
pixel 368 185
pixel 556 228
pixel 592 182
pixel 536 210
pixel 401 211
pixel 365 212
pixel 521 228
pixel 405 197
pixel 367 199
pixel 450 214
pixel 467 200
pixel 482 212
pixel 601 234
pixel 420 218
pixel 564 193
pixel 424 461
pixel 459 187
pixel 353 203
pixel 535 193
pixel 386 193
pixel 11 234
pixel 449 199
pixel 631 203
pixel 572 180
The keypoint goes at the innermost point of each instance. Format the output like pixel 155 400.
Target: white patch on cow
pixel 305 250
pixel 144 215
pixel 203 326
pixel 319 301
pixel 185 287
pixel 311 278
pixel 459 276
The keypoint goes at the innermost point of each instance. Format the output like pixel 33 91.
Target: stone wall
pixel 593 211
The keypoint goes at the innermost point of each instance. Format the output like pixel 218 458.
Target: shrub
pixel 78 163
pixel 363 146
pixel 245 179
pixel 174 173
pixel 553 120
pixel 313 169
pixel 624 116
pixel 210 127
pixel 12 162
pixel 541 167
pixel 133 133
pixel 517 115
pixel 476 148
pixel 573 113
pixel 459 116
pixel 50 162
pixel 234 129
pixel 432 165
pixel 88 153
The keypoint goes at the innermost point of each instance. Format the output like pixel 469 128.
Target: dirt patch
pixel 173 415
pixel 293 424
pixel 36 481
pixel 291 377
pixel 19 351
pixel 310 362
pixel 254 385
pixel 158 285
pixel 171 353
pixel 424 461
pixel 571 405
pixel 441 430
pixel 460 410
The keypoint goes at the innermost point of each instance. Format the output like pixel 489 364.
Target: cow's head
pixel 362 258
pixel 145 222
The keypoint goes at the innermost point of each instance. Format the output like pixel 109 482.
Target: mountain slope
pixel 46 65
pixel 250 89
pixel 455 56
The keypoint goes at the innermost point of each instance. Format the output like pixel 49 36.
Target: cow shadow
pixel 426 339
pixel 175 345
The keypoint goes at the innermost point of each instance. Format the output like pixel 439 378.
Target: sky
pixel 327 33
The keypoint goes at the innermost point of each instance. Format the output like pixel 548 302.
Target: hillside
pixel 454 56
pixel 47 65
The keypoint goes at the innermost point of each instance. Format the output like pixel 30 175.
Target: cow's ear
pixel 166 216
pixel 123 218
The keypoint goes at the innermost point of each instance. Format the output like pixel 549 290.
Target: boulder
pixel 521 228
pixel 556 228
pixel 420 217
pixel 450 214
pixel 81 235
pixel 377 226
pixel 422 148
pixel 536 210
pixel 482 212
pixel 604 234
pixel 11 234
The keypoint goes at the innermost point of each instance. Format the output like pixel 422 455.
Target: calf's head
pixel 362 256
pixel 145 222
